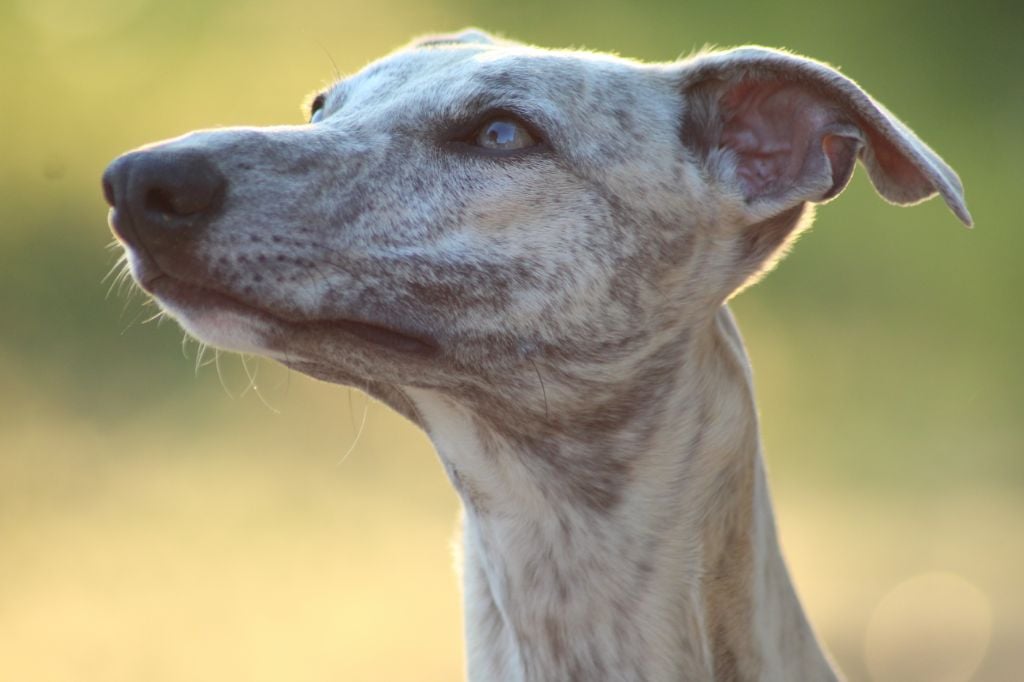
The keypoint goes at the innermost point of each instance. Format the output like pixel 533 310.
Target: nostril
pixel 161 200
pixel 110 181
pixel 108 192
pixel 183 193
pixel 174 188
pixel 182 196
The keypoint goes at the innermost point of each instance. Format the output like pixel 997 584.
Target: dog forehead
pixel 448 73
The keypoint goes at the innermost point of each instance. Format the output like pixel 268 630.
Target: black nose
pixel 165 193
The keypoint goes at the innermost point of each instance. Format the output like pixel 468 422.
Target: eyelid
pixel 466 131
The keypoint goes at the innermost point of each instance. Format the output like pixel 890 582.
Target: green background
pixel 161 521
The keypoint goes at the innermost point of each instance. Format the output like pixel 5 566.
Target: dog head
pixel 467 215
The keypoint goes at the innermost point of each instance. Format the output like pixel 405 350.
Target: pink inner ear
pixel 776 130
pixel 900 171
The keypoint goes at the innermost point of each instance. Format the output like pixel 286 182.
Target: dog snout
pixel 160 194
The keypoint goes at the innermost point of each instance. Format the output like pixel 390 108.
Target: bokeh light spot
pixel 934 627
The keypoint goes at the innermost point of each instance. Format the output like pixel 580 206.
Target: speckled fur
pixel 585 385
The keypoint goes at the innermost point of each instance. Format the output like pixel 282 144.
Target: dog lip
pixel 177 291
pixel 376 334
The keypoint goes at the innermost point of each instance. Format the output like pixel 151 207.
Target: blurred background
pixel 160 521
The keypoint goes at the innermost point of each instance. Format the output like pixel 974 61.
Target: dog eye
pixel 316 110
pixel 504 134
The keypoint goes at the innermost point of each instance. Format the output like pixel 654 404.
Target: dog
pixel 528 253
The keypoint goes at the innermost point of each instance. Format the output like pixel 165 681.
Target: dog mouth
pixel 206 302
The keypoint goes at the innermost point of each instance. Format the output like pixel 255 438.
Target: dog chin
pixel 222 329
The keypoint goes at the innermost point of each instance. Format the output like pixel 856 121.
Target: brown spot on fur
pixel 728 582
pixel 726 665
pixel 581 450
pixel 555 638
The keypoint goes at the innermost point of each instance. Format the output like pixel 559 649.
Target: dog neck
pixel 661 566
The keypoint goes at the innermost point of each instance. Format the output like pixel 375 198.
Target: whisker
pixel 133 320
pixel 249 374
pixel 359 433
pixel 200 355
pixel 330 58
pixel 220 374
pixel 254 387
pixel 117 283
pixel 157 317
pixel 117 264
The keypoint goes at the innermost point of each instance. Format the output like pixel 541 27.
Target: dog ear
pixel 784 129
pixel 778 131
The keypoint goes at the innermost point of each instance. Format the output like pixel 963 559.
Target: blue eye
pixel 504 134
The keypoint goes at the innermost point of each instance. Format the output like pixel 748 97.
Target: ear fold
pixel 780 130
